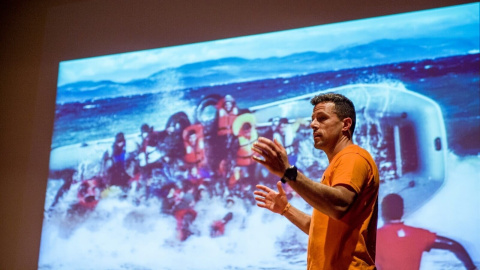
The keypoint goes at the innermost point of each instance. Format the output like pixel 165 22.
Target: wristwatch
pixel 290 174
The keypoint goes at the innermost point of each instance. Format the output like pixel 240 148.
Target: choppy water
pixel 119 235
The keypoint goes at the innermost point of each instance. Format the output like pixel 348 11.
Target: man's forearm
pixel 298 218
pixel 328 200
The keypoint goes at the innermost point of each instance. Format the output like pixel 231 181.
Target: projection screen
pixel 150 164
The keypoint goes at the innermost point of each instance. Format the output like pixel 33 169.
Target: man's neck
pixel 342 143
pixel 393 221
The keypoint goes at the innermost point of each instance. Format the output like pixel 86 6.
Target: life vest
pixel 245 152
pixel 194 154
pixel 218 228
pixel 182 227
pixel 89 193
pixel 234 177
pixel 180 214
pixel 225 120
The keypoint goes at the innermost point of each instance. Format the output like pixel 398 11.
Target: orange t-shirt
pixel 348 243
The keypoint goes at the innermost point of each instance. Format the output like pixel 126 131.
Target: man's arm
pixel 332 201
pixel 277 202
pixel 449 244
pixel 299 219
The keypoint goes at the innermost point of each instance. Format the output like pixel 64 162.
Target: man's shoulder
pixel 352 151
pixel 354 154
pixel 404 230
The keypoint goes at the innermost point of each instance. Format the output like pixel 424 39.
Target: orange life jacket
pixel 225 120
pixel 245 152
pixel 89 193
pixel 195 153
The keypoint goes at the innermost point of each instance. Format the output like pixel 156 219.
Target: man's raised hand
pixel 270 199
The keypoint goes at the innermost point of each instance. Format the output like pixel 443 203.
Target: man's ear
pixel 347 123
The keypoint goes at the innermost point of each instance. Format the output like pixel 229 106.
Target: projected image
pixel 151 162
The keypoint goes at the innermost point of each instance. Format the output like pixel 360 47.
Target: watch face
pixel 291 173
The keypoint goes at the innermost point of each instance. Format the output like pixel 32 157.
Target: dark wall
pixel 36 35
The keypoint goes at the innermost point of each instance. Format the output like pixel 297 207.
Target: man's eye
pixel 321 119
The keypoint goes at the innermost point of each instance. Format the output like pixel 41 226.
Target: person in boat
pixel 148 154
pixel 184 211
pixel 147 158
pixel 342 227
pixel 262 174
pixel 400 246
pixel 274 123
pixel 67 177
pixel 227 112
pixel 201 178
pixel 114 160
pixel 171 143
pixel 242 178
pixel 89 192
pixel 194 147
pixel 218 226
pixel 168 195
pixel 286 135
pixel 369 134
pixel 311 163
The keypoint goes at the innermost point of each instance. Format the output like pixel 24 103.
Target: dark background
pixel 36 35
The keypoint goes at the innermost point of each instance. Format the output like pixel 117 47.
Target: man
pixel 227 112
pixel 401 246
pixel 170 142
pixel 240 180
pixel 342 227
pixel 194 146
pixel 286 135
pixel 147 149
pixel 114 160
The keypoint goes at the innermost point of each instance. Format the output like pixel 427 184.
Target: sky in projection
pixel 134 65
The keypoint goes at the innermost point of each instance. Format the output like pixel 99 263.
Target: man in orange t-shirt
pixel 342 227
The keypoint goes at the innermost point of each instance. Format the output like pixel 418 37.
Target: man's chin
pixel 318 145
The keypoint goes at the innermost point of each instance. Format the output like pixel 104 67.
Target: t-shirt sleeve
pixel 427 239
pixel 351 169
